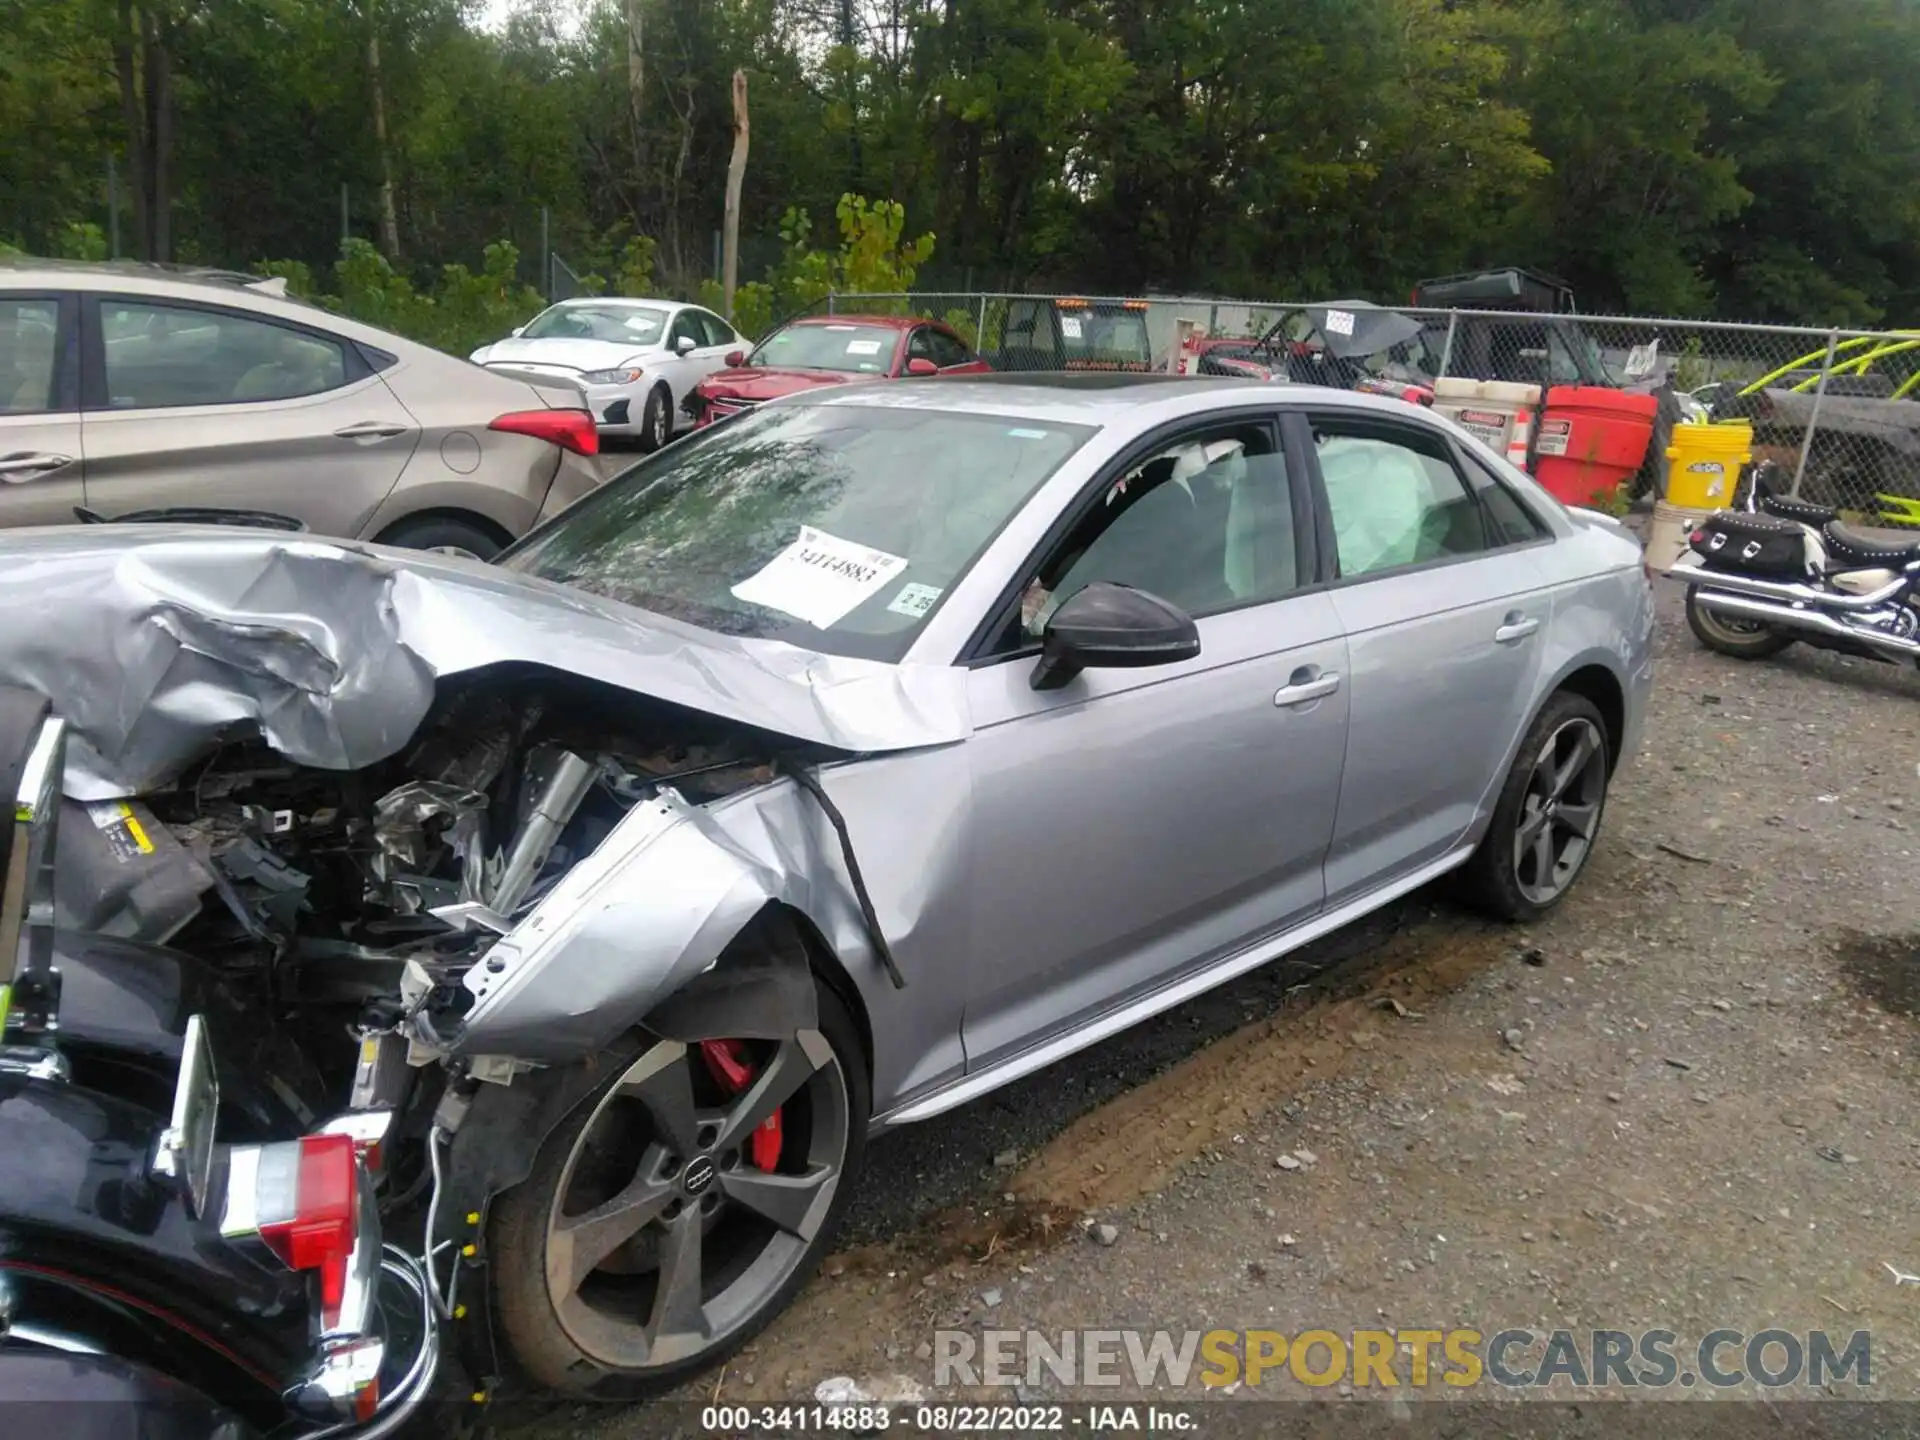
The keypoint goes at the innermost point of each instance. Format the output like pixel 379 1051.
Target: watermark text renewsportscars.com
pixel 1390 1359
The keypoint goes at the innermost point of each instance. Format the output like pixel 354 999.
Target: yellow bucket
pixel 1703 463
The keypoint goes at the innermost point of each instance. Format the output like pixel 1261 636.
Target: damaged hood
pixel 151 641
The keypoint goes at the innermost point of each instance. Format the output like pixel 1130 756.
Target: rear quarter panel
pixel 1602 615
pixel 460 466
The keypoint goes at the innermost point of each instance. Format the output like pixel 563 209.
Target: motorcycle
pixel 1774 570
pixel 184 1244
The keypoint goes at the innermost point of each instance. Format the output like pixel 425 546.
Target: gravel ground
pixel 1683 1101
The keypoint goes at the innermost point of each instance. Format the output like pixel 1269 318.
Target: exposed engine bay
pixel 319 887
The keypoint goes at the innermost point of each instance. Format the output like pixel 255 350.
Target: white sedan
pixel 635 359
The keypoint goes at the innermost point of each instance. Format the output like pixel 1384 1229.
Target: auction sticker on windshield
pixel 820 578
pixel 1339 322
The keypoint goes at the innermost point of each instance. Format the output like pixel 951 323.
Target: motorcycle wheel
pixel 658 1232
pixel 1742 639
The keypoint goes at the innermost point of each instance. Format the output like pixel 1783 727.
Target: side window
pixel 1206 523
pixel 163 355
pixel 1026 326
pixel 687 326
pixel 947 351
pixel 1563 368
pixel 920 344
pixel 1509 522
pixel 29 354
pixel 1395 498
pixel 716 330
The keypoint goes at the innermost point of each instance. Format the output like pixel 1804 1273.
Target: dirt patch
pixel 1136 1144
pixel 1884 969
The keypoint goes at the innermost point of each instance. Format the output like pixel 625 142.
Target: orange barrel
pixel 1592 440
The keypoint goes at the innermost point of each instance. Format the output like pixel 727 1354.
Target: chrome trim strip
pixel 240 1216
pixel 979 1083
pixel 51 1339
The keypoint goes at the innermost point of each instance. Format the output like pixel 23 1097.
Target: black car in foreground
pixel 168 1258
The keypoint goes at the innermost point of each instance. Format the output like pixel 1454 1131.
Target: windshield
pixel 862 349
pixel 625 324
pixel 1105 336
pixel 834 527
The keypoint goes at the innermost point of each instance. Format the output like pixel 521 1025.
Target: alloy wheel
pixel 1560 811
pixel 693 1194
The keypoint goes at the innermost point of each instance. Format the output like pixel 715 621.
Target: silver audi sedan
pixel 849 760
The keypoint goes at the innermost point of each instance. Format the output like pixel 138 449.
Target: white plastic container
pixel 1667 540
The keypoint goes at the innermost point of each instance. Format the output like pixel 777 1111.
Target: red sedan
pixel 831 350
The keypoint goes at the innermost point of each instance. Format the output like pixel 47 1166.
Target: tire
pixel 445 534
pixel 592 1340
pixel 656 420
pixel 1743 640
pixel 1504 876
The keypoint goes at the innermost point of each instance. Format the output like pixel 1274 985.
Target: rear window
pixel 858 349
pixel 1105 336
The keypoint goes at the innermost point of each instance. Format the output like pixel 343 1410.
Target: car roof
pixel 885 322
pixel 635 300
pixel 256 295
pixel 181 281
pixel 1094 397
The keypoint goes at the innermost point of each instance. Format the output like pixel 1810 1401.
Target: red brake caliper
pixel 727 1063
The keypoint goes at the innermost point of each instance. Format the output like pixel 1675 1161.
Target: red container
pixel 1591 441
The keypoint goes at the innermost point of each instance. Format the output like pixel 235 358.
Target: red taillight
pixel 306 1197
pixel 1697 537
pixel 569 429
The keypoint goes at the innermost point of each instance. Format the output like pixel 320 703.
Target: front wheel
pixel 1547 818
pixel 681 1208
pixel 1731 634
pixel 656 421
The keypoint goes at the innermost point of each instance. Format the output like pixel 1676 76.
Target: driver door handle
pixel 1305 687
pixel 1515 627
pixel 32 465
pixel 371 430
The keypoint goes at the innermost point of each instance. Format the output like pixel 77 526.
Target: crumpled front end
pixel 415 795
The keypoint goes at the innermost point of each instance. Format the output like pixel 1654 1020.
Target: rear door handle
pixel 1306 687
pixel 371 430
pixel 1516 627
pixel 16 468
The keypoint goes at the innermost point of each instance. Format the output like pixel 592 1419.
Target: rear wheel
pixel 1732 634
pixel 446 535
pixel 1547 819
pixel 681 1208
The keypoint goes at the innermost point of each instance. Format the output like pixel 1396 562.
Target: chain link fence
pixel 1838 410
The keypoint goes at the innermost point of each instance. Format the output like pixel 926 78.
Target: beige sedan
pixel 127 389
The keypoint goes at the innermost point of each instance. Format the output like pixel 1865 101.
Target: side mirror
pixel 518 331
pixel 920 365
pixel 735 359
pixel 685 345
pixel 1107 626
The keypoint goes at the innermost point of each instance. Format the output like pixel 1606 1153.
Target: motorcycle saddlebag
pixel 1751 544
